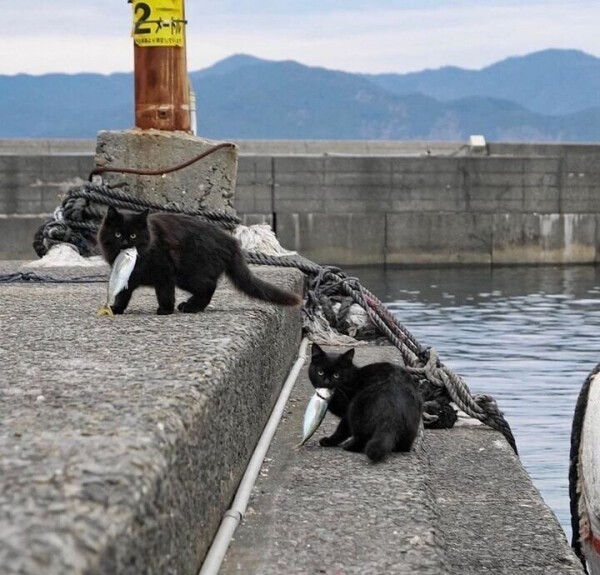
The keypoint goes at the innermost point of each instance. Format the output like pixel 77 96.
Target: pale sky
pixel 371 36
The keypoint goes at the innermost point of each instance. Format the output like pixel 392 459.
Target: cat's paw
pixel 117 310
pixel 327 442
pixel 163 311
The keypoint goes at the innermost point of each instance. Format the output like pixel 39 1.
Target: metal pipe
pixel 234 515
pixel 193 118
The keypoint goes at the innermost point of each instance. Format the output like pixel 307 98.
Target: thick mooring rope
pixel 417 359
pixel 77 221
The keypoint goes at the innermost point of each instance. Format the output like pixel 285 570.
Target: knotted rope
pixel 417 359
pixel 77 221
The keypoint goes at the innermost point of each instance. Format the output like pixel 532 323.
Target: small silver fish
pixel 119 276
pixel 315 412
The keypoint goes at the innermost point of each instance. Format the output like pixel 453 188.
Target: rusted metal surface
pixel 162 99
pixel 161 89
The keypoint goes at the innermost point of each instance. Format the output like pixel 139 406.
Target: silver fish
pixel 119 276
pixel 315 412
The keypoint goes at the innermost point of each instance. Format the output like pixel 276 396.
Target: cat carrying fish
pixel 176 250
pixel 379 405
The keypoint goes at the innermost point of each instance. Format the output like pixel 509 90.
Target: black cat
pixel 380 405
pixel 183 251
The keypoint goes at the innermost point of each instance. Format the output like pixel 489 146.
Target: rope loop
pixel 77 219
pixel 331 296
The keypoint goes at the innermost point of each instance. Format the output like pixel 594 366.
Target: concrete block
pixel 544 238
pixel 358 171
pixel 16 236
pixel 341 239
pixel 121 458
pixel 580 158
pixel 286 179
pixel 334 199
pixel 253 219
pixel 545 198
pixel 499 185
pixel 292 175
pixel 253 198
pixel 495 197
pixel 428 197
pixel 35 184
pixel 580 192
pixel 255 170
pixel 299 165
pixel 438 238
pixel 254 185
pixel 423 165
pixel 358 179
pixel 41 147
pixel 208 183
pixel 369 204
pixel 299 203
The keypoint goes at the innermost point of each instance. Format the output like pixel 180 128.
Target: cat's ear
pixel 348 356
pixel 316 351
pixel 112 214
pixel 143 216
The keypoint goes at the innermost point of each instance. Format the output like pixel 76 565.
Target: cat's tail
pixel 380 446
pixel 241 276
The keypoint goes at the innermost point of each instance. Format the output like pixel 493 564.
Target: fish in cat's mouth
pixel 315 412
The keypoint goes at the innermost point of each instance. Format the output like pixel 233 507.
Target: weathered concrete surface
pixel 492 518
pixel 208 183
pixel 16 235
pixel 351 203
pixel 122 440
pixel 460 504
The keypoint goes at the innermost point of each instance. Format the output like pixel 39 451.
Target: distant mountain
pixel 230 64
pixel 243 97
pixel 548 82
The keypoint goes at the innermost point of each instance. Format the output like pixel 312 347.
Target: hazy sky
pixel 40 36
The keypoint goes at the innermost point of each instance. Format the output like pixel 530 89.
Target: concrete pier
pixel 460 504
pixel 122 442
pixel 123 439
pixel 365 203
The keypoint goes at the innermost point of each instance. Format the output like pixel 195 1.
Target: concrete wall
pixel 350 203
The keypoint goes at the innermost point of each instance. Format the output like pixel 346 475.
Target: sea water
pixel 528 336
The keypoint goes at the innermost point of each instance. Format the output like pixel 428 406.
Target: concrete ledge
pixel 349 202
pixel 492 518
pixel 17 233
pixel 122 440
pixel 461 503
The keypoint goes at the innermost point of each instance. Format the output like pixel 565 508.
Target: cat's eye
pixel 117 234
pixel 132 236
pixel 320 371
pixel 336 376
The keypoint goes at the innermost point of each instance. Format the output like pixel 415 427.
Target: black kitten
pixel 380 405
pixel 183 251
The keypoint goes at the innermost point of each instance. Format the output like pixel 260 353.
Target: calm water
pixel 527 336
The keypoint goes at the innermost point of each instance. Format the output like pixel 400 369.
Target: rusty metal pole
pixel 162 98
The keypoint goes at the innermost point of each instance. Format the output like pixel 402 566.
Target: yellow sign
pixel 158 23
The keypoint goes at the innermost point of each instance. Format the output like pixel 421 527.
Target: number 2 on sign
pixel 144 17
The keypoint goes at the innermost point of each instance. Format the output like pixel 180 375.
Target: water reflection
pixel 529 336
